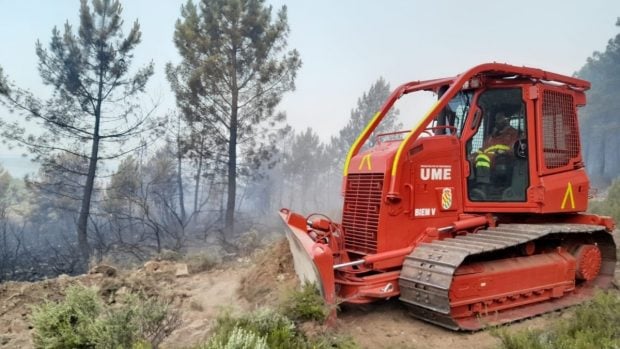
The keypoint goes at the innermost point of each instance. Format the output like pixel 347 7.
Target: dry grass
pixel 199 262
pixel 196 306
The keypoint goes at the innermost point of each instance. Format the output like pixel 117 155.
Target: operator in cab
pixel 499 142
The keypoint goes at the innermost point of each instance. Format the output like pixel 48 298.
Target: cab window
pixel 451 119
pixel 497 151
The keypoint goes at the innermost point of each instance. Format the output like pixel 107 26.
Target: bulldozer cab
pixel 496 147
pixel 519 142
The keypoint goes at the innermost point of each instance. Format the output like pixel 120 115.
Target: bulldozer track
pixel 428 271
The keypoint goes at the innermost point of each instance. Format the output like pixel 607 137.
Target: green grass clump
pixel 594 325
pixel 268 329
pixel 239 338
pixel 306 304
pixel 332 340
pixel 82 320
pixel 275 330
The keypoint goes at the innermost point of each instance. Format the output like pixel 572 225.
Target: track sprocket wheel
pixel 589 262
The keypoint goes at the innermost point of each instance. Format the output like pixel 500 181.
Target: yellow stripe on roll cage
pixel 345 170
pixel 406 140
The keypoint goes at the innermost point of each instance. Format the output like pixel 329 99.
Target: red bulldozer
pixel 476 216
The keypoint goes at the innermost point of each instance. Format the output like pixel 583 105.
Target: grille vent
pixel 559 126
pixel 360 217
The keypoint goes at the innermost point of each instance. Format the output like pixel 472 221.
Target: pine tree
pixel 234 72
pixel 598 120
pixel 367 106
pixel 4 86
pixel 303 168
pixel 93 102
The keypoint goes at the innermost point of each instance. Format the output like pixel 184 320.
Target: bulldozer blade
pixel 313 261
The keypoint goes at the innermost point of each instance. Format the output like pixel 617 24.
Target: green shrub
pixel 593 325
pixel 69 324
pixel 268 329
pixel 149 319
pixel 275 329
pixel 305 305
pixel 530 339
pixel 238 338
pixel 611 205
pixel 83 321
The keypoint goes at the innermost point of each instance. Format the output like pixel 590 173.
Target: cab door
pixel 497 165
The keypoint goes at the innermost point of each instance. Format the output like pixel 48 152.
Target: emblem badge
pixel 446 198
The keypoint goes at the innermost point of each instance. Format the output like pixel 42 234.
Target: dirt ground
pixel 388 325
pixel 240 286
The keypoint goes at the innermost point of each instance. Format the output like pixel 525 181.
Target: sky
pixel 346 45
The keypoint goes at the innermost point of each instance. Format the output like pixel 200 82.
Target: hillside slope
pixel 237 287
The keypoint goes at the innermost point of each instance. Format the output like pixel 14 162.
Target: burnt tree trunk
pixel 180 176
pixel 82 225
pixel 198 176
pixel 232 151
pixel 232 170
